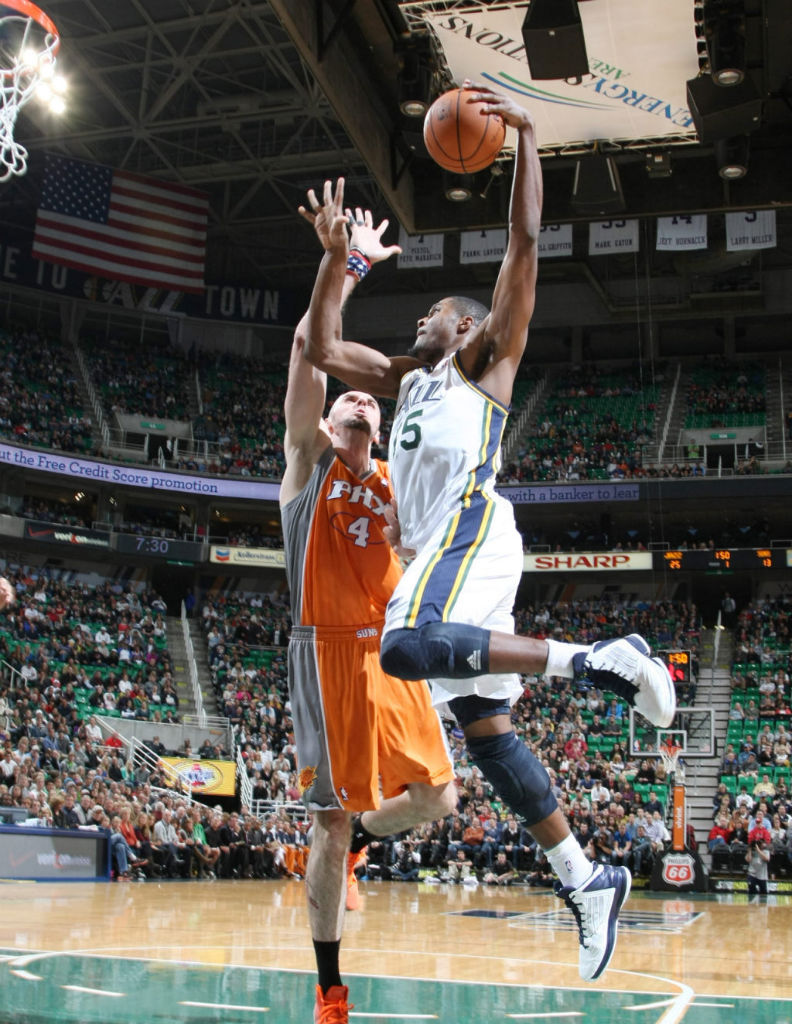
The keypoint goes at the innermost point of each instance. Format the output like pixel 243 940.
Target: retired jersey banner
pixel 613 236
pixel 482 246
pixel 640 55
pixel 420 250
pixel 555 240
pixel 682 232
pixel 751 229
pixel 215 778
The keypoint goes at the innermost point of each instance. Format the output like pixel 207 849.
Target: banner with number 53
pixel 608 236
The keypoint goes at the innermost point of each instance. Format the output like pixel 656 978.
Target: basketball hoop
pixel 29 44
pixel 669 752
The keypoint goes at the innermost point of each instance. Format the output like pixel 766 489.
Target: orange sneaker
pixel 332 1007
pixel 352 896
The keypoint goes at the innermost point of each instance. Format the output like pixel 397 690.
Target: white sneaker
pixel 623 665
pixel 596 905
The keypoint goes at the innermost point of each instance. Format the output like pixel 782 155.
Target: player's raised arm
pixel 357 365
pixel 506 328
pixel 305 437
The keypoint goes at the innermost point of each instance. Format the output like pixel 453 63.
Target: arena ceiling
pixel 255 101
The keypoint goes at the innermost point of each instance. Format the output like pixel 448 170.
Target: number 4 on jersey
pixel 360 531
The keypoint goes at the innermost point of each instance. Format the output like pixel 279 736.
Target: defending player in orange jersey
pixel 358 730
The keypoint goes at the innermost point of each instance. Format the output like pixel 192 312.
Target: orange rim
pixel 30 10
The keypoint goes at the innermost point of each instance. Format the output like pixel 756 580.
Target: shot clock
pixel 677 663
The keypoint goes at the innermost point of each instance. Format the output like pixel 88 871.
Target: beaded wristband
pixel 358 264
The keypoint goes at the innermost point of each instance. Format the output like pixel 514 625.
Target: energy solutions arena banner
pixel 640 53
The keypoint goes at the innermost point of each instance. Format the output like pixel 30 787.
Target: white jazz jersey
pixel 444 454
pixel 444 446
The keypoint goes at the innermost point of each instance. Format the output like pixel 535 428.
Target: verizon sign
pixel 563 561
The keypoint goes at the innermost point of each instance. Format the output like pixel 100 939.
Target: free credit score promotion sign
pixel 217 778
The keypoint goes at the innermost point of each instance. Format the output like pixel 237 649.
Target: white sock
pixel 569 862
pixel 559 658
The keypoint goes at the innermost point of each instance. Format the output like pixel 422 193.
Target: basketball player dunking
pixel 356 728
pixel 450 619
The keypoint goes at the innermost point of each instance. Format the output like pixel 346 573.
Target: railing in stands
pixel 139 754
pixel 670 413
pixel 517 427
pixel 214 723
pixel 292 808
pixel 9 672
pixel 195 682
pixel 245 785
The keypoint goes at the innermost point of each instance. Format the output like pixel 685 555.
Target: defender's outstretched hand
pixel 367 238
pixel 328 217
pixel 330 222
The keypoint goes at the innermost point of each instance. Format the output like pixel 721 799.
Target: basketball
pixel 458 136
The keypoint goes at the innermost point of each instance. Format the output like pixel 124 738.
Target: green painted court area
pixel 78 989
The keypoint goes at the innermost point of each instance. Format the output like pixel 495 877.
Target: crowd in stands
pixel 243 415
pixel 593 425
pixel 144 379
pixel 40 404
pixel 752 807
pixel 75 649
pixel 106 642
pixel 722 394
pixel 582 738
pixel 42 510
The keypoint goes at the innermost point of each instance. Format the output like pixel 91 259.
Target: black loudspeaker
pixel 721 111
pixel 554 42
pixel 597 188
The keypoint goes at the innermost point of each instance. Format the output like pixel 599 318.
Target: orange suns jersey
pixel 341 569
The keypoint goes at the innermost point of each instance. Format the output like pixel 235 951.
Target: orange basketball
pixel 459 136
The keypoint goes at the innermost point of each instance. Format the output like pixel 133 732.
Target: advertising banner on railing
pixel 49 855
pixel 87 470
pixel 215 778
pixel 57 534
pixel 262 557
pixel 588 561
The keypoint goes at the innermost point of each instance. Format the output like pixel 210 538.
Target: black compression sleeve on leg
pixel 516 775
pixel 446 650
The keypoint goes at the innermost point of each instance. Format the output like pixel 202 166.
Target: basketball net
pixel 29 44
pixel 669 752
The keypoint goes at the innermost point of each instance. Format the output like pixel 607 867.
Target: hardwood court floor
pixel 240 951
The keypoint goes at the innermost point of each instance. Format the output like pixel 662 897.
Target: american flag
pixel 121 226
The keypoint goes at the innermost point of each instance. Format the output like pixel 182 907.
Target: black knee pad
pixel 446 650
pixel 515 774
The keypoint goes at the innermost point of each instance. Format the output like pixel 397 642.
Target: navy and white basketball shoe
pixel 623 665
pixel 596 905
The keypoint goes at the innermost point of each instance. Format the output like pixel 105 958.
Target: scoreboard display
pixel 159 547
pixel 723 559
pixel 677 663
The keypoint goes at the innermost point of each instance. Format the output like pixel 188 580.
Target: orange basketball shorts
pixel 359 731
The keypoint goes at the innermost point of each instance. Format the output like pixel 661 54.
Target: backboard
pixel 692 730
